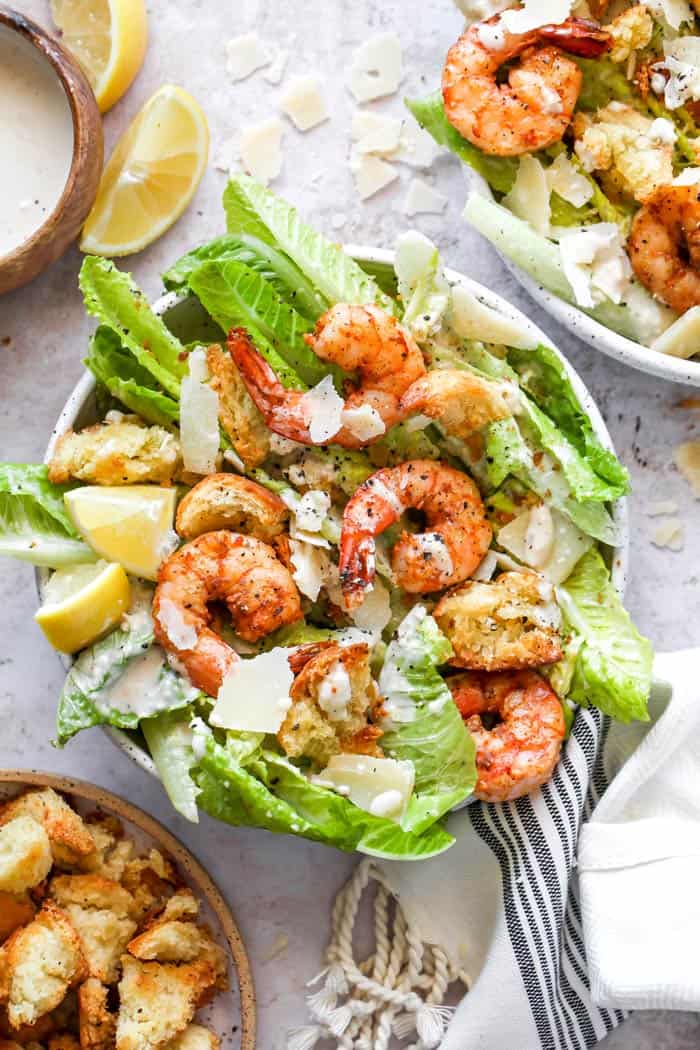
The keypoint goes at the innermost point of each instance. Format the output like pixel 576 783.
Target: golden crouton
pixel 510 622
pixel 120 453
pixel 98 1026
pixel 151 881
pixel 183 904
pixel 615 142
pixel 7 1044
pixel 629 32
pixel 25 854
pixel 71 841
pixel 113 851
pixel 240 418
pixel 193 1038
pixel 330 714
pixel 39 963
pixel 28 1034
pixel 229 501
pixel 175 940
pixel 15 910
pixel 65 1041
pixel 157 1001
pixel 99 910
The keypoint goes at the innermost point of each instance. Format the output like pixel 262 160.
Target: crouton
pixel 511 622
pixel 320 723
pixel 39 963
pixel 119 453
pixel 98 1026
pixel 174 940
pixel 99 910
pixel 228 501
pixel 615 142
pixel 71 841
pixel 15 910
pixel 238 414
pixel 183 904
pixel 630 31
pixel 28 1034
pixel 7 1044
pixel 193 1038
pixel 65 1041
pixel 25 854
pixel 112 850
pixel 151 881
pixel 157 1001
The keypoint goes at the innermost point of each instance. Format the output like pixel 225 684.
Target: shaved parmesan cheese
pixel 682 339
pixel 323 409
pixel 245 54
pixel 687 177
pixel 564 179
pixel 669 534
pixel 471 319
pixel 383 783
pixel 376 67
pixel 304 103
pixel 479 10
pixel 536 13
pixel 687 459
pixel 180 634
pixel 674 12
pixel 261 149
pixel 594 260
pixel 235 460
pixel 659 507
pixel 371 173
pixel 275 71
pixel 486 568
pixel 663 131
pixel 423 199
pixel 529 197
pixel 254 695
pixel 364 422
pixel 310 565
pixel 545 540
pixel 375 133
pixel 199 417
pixel 312 509
pixel 375 612
pixel 416 147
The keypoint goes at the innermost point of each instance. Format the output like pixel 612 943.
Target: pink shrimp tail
pixel 577 36
pixel 356 566
pixel 263 385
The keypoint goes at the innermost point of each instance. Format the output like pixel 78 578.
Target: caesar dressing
pixel 143 689
pixel 36 140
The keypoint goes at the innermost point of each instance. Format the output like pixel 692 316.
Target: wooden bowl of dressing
pixel 51 146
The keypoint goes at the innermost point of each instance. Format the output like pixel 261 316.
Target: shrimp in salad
pixel 664 246
pixel 534 107
pixel 519 753
pixel 242 572
pixel 360 339
pixel 461 401
pixel 454 543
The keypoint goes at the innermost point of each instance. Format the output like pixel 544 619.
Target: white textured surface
pixel 279 885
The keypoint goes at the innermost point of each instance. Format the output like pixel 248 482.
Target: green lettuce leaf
pixel 34 524
pixel 252 209
pixel 613 665
pixel 423 290
pixel 127 381
pixel 234 294
pixel 273 265
pixel 114 299
pixel 169 739
pixel 603 82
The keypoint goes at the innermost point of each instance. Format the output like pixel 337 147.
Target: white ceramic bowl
pixel 80 410
pixel 675 369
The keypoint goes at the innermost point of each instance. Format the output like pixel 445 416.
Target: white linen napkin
pixel 504 903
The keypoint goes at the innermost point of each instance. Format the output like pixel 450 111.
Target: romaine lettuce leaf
pixel 423 290
pixel 114 299
pixel 234 294
pixel 127 381
pixel 169 739
pixel 252 209
pixel 34 524
pixel 613 664
pixel 274 266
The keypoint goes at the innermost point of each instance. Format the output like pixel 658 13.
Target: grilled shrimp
pixel 361 339
pixel 664 246
pixel 229 501
pixel 519 753
pixel 222 566
pixel 461 401
pixel 456 540
pixel 534 107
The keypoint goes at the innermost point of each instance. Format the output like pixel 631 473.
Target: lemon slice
pixel 108 37
pixel 83 602
pixel 151 177
pixel 129 524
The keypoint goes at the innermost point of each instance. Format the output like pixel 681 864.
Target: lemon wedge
pixel 151 177
pixel 81 603
pixel 108 37
pixel 129 524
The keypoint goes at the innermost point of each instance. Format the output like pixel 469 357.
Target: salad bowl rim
pixel 85 387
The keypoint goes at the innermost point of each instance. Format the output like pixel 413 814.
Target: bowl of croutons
pixel 112 935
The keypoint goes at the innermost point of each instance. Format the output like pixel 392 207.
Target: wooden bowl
pixel 52 238
pixel 231 1014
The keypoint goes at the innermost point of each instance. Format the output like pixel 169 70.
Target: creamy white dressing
pixel 142 689
pixel 435 551
pixel 36 140
pixel 335 692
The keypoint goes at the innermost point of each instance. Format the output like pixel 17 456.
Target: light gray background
pixel 281 885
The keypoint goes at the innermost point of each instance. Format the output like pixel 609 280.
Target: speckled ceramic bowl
pixel 232 1014
pixel 675 369
pixel 186 319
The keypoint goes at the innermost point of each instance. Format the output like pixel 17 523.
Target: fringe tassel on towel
pixel 399 990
